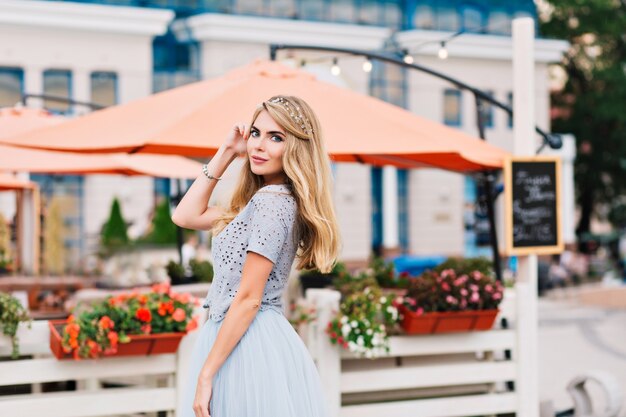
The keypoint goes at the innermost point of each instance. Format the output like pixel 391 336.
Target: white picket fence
pixel 445 375
pixel 151 383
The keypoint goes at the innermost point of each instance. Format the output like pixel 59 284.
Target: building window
pixel 104 88
pixel 57 83
pixel 388 82
pixel 377 209
pixel 488 110
pixel 447 19
pixel 452 107
pixel 403 209
pixel 509 98
pixel 499 22
pixel 472 19
pixel 11 86
pixel 175 63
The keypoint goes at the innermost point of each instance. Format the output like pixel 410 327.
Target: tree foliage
pixel 114 232
pixel 163 229
pixel 592 104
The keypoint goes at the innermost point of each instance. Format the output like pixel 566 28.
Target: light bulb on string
pixel 408 58
pixel 367 66
pixel 335 70
pixel 443 52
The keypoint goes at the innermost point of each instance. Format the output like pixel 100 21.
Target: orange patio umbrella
pixel 15 121
pixel 193 120
pixel 9 182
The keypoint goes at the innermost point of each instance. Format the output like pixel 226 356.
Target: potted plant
pixel 385 274
pixel 126 324
pixel 313 278
pixel 12 313
pixel 439 302
pixel 363 323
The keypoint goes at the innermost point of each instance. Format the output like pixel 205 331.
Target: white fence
pixel 444 375
pixel 151 383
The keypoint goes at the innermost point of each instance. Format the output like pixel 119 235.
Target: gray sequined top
pixel 265 226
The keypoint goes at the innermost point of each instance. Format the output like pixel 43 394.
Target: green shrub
pixel 114 236
pixel 467 265
pixel 201 270
pixel 163 229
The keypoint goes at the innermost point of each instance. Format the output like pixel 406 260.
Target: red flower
pixel 146 328
pixel 106 323
pixel 143 314
pixel 113 338
pixel 179 315
pixel 165 308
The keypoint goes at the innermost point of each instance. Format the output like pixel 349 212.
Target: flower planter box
pixel 145 344
pixel 447 322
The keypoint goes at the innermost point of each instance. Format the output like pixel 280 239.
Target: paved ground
pixel 573 339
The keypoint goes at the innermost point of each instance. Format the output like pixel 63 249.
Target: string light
pixel 335 70
pixel 408 58
pixel 443 52
pixel 367 66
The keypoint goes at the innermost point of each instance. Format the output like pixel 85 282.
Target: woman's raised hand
pixel 236 139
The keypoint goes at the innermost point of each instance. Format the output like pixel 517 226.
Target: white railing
pixel 444 375
pixel 151 383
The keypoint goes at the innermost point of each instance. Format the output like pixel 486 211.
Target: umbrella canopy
pixel 9 182
pixel 15 121
pixel 51 162
pixel 194 119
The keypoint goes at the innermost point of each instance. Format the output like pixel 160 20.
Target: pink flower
pixel 496 296
pixel 475 297
pixel 474 287
pixel 411 301
pixel 445 286
pixel 447 272
pixel 488 288
pixel 451 300
pixel 477 275
pixel 464 292
pixel 461 280
pixel 179 315
pixel 419 311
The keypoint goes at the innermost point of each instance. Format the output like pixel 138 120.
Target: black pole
pixel 487 178
pixel 179 230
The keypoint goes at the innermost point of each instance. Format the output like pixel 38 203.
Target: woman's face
pixel 265 147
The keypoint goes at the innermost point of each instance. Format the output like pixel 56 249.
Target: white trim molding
pixel 90 17
pixel 222 27
pixel 424 42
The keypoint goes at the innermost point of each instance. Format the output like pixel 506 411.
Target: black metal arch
pixel 488 177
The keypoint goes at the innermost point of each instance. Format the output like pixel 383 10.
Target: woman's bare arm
pixel 241 313
pixel 193 211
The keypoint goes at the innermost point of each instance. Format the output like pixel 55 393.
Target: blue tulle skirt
pixel 270 373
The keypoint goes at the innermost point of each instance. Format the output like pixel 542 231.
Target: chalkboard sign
pixel 533 206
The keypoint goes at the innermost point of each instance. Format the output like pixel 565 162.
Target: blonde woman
pixel 248 360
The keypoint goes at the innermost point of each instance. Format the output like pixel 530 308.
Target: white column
pixel 81 89
pixel 28 228
pixel 33 84
pixel 524 145
pixel 390 208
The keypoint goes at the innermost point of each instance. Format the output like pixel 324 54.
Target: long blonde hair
pixel 307 166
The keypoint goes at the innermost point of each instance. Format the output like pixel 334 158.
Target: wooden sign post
pixel 533 205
